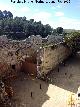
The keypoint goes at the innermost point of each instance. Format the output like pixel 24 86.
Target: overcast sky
pixel 66 15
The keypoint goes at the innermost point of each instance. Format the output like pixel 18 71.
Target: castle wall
pixel 52 56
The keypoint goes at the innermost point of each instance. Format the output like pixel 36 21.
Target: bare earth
pixel 53 93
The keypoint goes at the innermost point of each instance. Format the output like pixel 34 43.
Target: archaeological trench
pixel 16 56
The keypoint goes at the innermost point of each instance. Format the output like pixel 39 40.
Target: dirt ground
pixel 53 93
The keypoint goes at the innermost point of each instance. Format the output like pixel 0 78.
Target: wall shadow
pixel 23 86
pixel 67 76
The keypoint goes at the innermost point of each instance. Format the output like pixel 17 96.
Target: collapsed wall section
pixel 29 66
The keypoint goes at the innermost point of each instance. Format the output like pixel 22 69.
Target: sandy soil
pixel 53 93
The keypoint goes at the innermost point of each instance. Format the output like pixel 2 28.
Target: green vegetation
pixel 72 40
pixel 20 27
pixel 59 30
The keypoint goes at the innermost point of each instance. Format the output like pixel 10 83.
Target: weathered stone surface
pixel 52 57
pixel 15 52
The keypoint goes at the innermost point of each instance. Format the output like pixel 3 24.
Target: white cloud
pixel 67 23
pixel 24 9
pixel 42 16
pixel 36 10
pixel 8 8
pixel 19 11
pixel 70 22
pixel 60 14
pixel 4 7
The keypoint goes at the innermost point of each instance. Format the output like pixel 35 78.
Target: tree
pixel 5 14
pixel 10 15
pixel 59 30
pixel 19 27
pixel 48 30
pixel 1 15
pixel 31 20
pixel 72 40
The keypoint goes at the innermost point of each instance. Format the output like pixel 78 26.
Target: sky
pixel 66 15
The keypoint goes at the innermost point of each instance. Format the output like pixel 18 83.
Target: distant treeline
pixel 20 27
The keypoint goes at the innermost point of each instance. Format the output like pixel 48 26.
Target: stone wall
pixel 13 53
pixel 51 56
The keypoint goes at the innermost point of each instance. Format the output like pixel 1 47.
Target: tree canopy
pixel 20 27
pixel 59 30
pixel 73 41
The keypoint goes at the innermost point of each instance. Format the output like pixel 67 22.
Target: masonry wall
pixel 13 53
pixel 52 56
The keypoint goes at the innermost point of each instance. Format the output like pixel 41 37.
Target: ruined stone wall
pixel 51 56
pixel 13 53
